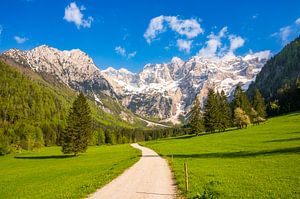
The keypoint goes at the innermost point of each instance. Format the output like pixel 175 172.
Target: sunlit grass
pixel 257 162
pixel 49 174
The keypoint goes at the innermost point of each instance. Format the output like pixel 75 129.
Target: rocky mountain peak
pixel 164 90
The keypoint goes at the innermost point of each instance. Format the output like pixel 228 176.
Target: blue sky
pixel 121 33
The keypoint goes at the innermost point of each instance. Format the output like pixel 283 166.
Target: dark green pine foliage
pixel 278 81
pixel 241 100
pixel 282 69
pixel 196 119
pixel 225 112
pixel 76 137
pixel 211 112
pixel 259 104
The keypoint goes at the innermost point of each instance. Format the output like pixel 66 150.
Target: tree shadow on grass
pixel 240 154
pixel 284 140
pixel 293 132
pixel 45 157
pixel 183 137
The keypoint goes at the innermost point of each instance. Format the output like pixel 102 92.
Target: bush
pixel 30 137
pixel 49 134
pixel 4 144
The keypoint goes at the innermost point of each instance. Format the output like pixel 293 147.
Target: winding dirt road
pixel 149 178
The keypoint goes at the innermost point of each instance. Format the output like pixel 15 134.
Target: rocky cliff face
pixel 73 68
pixel 164 91
pixel 168 90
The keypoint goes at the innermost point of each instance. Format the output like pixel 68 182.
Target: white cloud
pixel 131 55
pixel 235 42
pixel 213 44
pixel 189 28
pixel 20 40
pixel 284 33
pixel 155 27
pixel 260 55
pixel 184 45
pixel 122 51
pixel 215 47
pixel 74 14
pixel 254 16
pixel 288 33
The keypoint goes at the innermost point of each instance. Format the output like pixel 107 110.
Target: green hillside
pixel 33 111
pixel 258 162
pixel 279 80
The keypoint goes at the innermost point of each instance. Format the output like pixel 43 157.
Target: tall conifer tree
pixel 76 137
pixel 241 100
pixel 211 112
pixel 196 120
pixel 259 104
pixel 224 111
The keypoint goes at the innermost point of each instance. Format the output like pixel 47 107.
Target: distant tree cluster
pixel 286 100
pixel 218 114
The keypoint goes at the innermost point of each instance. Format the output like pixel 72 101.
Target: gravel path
pixel 150 177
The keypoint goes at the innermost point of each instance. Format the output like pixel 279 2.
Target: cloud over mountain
pixel 189 28
pixel 73 14
pixel 20 40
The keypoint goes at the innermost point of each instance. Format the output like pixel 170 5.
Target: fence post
pixel 186 177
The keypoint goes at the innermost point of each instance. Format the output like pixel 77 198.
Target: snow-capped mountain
pixel 165 90
pixel 73 68
pixel 168 90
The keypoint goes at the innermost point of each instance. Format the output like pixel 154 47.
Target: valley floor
pixel 258 162
pixel 49 174
pixel 149 178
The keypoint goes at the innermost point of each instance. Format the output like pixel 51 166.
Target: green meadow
pixel 258 162
pixel 49 174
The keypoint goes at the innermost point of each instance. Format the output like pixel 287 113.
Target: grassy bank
pixel 257 162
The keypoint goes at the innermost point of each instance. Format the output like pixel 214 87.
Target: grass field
pixel 257 162
pixel 48 174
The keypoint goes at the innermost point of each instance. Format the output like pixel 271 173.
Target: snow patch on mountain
pixel 169 89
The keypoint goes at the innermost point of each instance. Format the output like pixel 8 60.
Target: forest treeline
pixel 218 114
pixel 33 115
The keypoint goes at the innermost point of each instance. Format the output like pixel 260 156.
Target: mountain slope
pixel 167 90
pixel 160 92
pixel 280 70
pixel 24 94
pixel 73 68
pixel 75 71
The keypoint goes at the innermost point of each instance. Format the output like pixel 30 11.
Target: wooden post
pixel 186 177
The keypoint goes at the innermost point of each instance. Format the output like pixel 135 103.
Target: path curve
pixel 149 178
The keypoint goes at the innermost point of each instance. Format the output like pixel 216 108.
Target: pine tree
pixel 224 111
pixel 241 100
pixel 211 112
pixel 259 104
pixel 76 136
pixel 196 120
